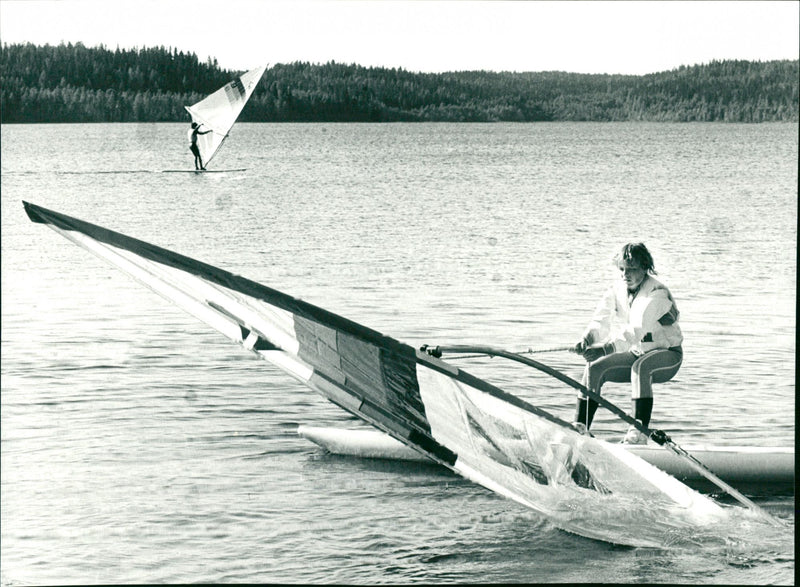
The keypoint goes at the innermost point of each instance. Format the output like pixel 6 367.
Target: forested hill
pixel 73 83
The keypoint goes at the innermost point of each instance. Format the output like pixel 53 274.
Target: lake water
pixel 140 446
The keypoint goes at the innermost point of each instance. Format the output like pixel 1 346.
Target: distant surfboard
pixel 200 171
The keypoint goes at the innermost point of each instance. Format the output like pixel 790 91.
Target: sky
pixel 628 37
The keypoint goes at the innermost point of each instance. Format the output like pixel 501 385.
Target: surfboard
pixel 760 469
pixel 201 171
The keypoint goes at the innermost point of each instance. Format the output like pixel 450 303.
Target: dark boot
pixel 584 411
pixel 642 409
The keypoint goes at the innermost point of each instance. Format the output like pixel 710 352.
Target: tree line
pixel 74 83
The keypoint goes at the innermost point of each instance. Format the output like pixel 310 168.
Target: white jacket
pixel 634 326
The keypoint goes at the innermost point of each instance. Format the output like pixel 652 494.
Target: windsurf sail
pixel 218 112
pixel 581 484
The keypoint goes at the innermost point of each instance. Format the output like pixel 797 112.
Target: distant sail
pixel 218 111
pixel 582 484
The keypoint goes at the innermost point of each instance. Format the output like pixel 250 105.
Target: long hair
pixel 637 253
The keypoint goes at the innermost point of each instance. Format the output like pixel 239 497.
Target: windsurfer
pixel 193 132
pixel 633 337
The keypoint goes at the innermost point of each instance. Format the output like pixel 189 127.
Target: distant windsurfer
pixel 193 132
pixel 633 337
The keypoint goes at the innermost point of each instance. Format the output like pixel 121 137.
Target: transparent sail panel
pixel 582 484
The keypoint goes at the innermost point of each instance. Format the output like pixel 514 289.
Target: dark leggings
pixel 641 371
